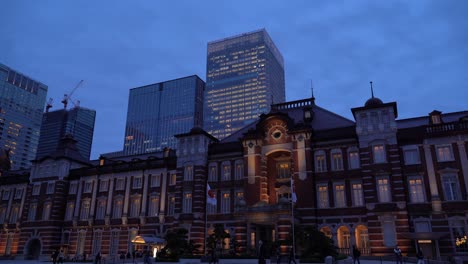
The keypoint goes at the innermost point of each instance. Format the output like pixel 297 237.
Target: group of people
pixel 136 254
pixel 57 257
pixel 396 251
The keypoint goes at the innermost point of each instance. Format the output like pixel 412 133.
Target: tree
pixel 217 237
pixel 177 245
pixel 314 243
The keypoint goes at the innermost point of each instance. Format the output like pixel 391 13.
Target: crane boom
pixel 67 97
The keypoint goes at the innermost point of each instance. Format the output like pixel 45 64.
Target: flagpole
pixel 206 216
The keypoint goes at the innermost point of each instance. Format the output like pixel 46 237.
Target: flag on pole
pixel 293 191
pixel 210 195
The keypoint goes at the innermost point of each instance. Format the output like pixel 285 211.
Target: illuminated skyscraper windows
pixel 244 76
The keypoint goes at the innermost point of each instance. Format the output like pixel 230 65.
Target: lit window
pixel 358 197
pixel 14 214
pixel 383 188
pixel 213 175
pixel 323 196
pixel 171 206
pixel 226 171
pixel 239 174
pixel 187 203
pixel 135 207
pixel 379 153
pixel 340 196
pixel 336 160
pixel 173 179
pixel 69 211
pixel 154 206
pixel 444 153
pixel 225 202
pixel 416 190
pixel 283 170
pixel 117 212
pixel 411 155
pixel 46 211
pixel 320 162
pixel 353 156
pixel 451 187
pixel 84 214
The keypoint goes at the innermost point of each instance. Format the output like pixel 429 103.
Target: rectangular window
pixel 411 156
pixel 171 205
pixel 323 196
pixel 225 202
pixel 97 242
pixel 2 214
pixel 416 190
pixel 213 175
pixel 239 174
pixel 188 173
pixel 101 209
pixel 156 180
pixel 117 212
pixel 18 193
pixel 14 214
pixel 114 242
pixel 383 188
pixel 73 187
pixel 354 160
pixel 283 170
pixel 120 184
pixel 340 196
pixel 50 187
pixel 6 195
pixel 226 172
pixel 32 212
pixel 36 190
pixel 451 187
pixel 379 153
pixel 444 153
pixel 137 182
pixel 46 211
pixel 154 206
pixel 337 161
pixel 320 165
pixel 84 214
pixel 173 179
pixel 69 211
pixel 104 185
pixel 135 207
pixel 88 187
pixel 358 197
pixel 187 203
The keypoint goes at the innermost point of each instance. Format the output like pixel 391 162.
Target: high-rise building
pixel 22 101
pixel 244 76
pixel 157 112
pixel 78 122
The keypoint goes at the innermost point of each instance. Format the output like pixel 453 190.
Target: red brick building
pixel 373 182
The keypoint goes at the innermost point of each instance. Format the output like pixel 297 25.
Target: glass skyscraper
pixel 22 101
pixel 78 122
pixel 157 112
pixel 244 76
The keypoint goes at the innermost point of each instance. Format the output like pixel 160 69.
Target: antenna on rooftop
pixel 372 89
pixel 312 89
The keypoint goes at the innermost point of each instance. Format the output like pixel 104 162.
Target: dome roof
pixel 374 101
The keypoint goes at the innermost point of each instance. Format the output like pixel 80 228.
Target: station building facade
pixel 373 182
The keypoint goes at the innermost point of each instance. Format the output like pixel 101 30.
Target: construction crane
pixel 49 104
pixel 67 97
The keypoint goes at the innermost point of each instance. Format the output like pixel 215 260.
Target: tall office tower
pixel 78 122
pixel 157 112
pixel 244 76
pixel 22 101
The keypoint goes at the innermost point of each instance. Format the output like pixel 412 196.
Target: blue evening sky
pixel 415 52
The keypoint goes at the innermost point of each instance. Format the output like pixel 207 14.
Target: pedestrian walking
pixel 60 257
pixel 398 256
pixel 278 255
pixel 420 256
pixel 55 256
pixel 356 254
pixel 292 258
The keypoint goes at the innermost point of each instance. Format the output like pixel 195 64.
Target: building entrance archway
pixel 33 249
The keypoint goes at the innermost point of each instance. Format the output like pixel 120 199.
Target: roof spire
pixel 372 89
pixel 312 88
